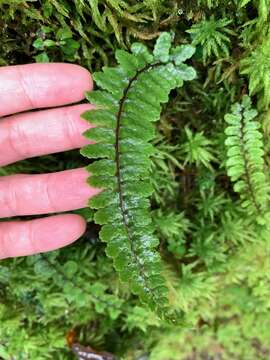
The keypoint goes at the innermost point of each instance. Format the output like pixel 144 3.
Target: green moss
pixel 217 259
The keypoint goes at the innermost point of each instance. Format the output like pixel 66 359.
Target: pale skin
pixel 26 134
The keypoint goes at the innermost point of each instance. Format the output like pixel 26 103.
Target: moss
pixel 217 262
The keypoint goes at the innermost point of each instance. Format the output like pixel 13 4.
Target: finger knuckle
pixel 5 242
pixel 18 140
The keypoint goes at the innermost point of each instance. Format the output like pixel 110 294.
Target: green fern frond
pixel 128 104
pixel 245 161
pixel 257 67
pixel 213 36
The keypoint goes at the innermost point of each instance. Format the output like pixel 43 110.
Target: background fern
pixel 257 67
pixel 245 159
pixel 215 253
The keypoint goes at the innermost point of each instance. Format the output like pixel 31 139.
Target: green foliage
pixel 263 12
pixel 129 103
pixel 245 161
pixel 257 67
pixel 63 40
pixel 61 309
pixel 213 36
pixel 215 255
pixel 196 149
pixel 173 227
pixel 73 31
pixel 209 3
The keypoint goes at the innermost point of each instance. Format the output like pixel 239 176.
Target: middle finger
pixel 42 132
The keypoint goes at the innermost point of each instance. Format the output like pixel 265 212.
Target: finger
pixel 20 238
pixel 45 193
pixel 25 87
pixel 42 132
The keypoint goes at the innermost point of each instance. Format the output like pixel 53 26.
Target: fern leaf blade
pixel 162 47
pixel 102 167
pixel 182 53
pixel 103 98
pixel 245 158
pixel 127 106
pixel 100 117
pixel 96 151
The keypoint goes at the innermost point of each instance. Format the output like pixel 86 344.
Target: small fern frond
pixel 128 104
pixel 245 162
pixel 257 67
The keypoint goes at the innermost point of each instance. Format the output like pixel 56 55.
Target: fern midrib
pixel 118 171
pixel 250 189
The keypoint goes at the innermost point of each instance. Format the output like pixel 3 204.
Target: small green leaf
pixel 162 47
pixel 70 268
pixel 38 44
pixel 94 151
pixel 142 53
pixel 42 58
pixel 70 47
pixel 63 34
pixel 49 43
pixel 181 53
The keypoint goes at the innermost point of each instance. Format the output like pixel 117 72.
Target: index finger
pixel 26 87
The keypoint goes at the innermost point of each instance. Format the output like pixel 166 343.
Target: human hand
pixel 29 134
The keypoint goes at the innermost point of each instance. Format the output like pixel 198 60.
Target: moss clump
pixel 216 253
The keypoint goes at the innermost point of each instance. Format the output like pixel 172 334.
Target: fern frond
pixel 257 67
pixel 128 104
pixel 245 161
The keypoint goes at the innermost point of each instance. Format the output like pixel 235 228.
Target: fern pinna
pixel 126 107
pixel 245 162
